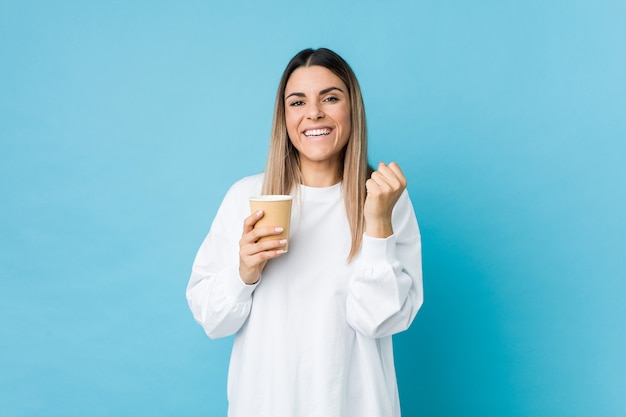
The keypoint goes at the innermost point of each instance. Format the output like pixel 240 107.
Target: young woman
pixel 313 325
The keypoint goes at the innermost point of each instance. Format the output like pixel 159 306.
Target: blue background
pixel 122 124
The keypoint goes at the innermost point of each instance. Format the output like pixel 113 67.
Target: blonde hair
pixel 282 172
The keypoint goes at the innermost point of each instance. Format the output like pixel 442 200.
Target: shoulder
pixel 235 205
pixel 250 181
pixel 403 215
pixel 245 187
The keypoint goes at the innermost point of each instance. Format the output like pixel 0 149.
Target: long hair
pixel 282 172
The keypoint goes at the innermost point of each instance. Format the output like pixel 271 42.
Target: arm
pixel 227 268
pixel 385 291
pixel 219 300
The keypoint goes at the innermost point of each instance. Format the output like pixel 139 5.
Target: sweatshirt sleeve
pixel 219 300
pixel 385 290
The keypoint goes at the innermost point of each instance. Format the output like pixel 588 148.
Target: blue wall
pixel 122 124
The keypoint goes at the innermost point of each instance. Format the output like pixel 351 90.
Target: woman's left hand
pixel 383 191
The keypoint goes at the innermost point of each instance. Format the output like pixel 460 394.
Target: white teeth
pixel 317 132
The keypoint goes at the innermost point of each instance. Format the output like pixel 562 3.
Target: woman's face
pixel 317 114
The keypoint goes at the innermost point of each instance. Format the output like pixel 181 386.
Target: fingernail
pixel 259 213
pixel 281 251
pixel 283 241
pixel 278 229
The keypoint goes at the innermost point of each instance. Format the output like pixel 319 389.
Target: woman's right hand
pixel 253 255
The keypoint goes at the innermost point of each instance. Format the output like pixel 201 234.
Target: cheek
pixel 292 125
pixel 346 123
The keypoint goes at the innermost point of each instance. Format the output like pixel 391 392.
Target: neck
pixel 319 175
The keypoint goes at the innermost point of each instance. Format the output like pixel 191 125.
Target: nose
pixel 315 112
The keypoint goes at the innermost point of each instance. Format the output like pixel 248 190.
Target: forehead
pixel 311 80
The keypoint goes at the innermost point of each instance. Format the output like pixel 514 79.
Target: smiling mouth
pixel 317 132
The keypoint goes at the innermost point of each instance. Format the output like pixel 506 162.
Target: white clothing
pixel 313 336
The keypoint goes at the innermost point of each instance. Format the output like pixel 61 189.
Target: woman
pixel 313 325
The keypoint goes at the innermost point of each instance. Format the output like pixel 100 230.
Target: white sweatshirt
pixel 313 336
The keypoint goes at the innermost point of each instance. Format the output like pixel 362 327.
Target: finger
pixel 378 179
pixel 251 220
pixel 392 175
pixel 266 247
pixel 259 232
pixel 271 245
pixel 384 177
pixel 395 168
pixel 388 171
pixel 261 257
pixel 253 253
pixel 371 187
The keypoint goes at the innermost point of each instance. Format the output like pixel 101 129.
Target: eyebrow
pixel 322 92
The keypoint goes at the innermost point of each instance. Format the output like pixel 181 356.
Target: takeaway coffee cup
pixel 277 213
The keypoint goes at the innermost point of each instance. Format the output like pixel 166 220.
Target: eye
pixel 331 99
pixel 296 103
